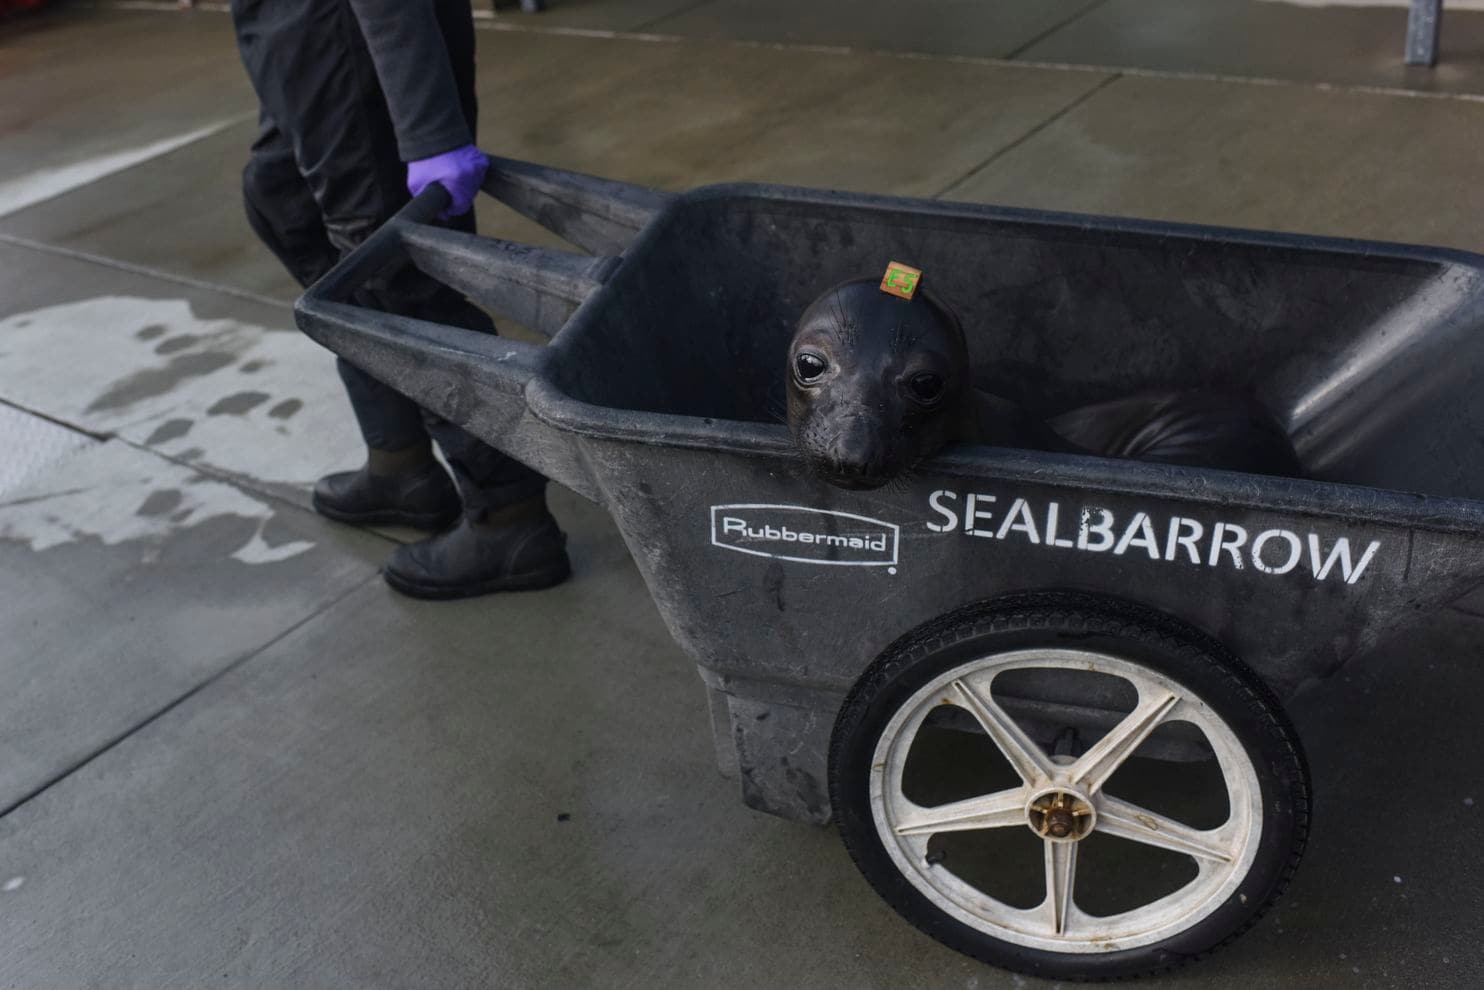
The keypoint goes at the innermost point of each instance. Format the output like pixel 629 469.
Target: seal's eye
pixel 809 367
pixel 926 388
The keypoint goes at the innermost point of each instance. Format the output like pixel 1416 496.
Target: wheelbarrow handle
pixel 426 205
pixel 459 373
pixel 377 252
pixel 536 287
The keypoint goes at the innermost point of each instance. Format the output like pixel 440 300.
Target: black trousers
pixel 324 174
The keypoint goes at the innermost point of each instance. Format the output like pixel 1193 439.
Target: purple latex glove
pixel 460 171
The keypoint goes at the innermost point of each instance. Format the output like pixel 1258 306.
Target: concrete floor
pixel 229 755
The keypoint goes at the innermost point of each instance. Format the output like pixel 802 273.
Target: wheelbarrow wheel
pixel 1056 805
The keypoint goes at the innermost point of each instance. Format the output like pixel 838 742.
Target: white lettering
pixel 733 525
pixel 935 502
pixel 972 515
pixel 1019 519
pixel 1187 540
pixel 1145 539
pixel 1052 540
pixel 1219 542
pixel 1341 552
pixel 1295 551
pixel 1103 529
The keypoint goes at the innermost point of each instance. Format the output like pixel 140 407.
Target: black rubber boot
pixel 515 548
pixel 403 488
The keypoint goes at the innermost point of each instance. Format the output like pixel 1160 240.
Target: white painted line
pixel 28 190
pixel 1448 5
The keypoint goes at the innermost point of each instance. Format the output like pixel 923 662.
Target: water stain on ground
pixel 160 503
pixel 151 332
pixel 171 429
pixel 286 409
pixel 238 404
pixel 172 344
pixel 157 381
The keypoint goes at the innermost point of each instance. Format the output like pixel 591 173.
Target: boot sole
pixel 430 521
pixel 533 581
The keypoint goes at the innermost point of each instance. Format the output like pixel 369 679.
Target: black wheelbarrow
pixel 1040 694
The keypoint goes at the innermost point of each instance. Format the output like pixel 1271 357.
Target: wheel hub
pixel 1060 815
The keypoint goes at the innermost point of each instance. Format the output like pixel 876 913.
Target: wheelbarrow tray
pixel 659 397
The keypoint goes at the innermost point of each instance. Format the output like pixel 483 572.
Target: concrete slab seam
pixel 1032 132
pixel 175 703
pixel 91 434
pixel 1065 22
pixel 245 482
pixel 490 23
pixel 125 266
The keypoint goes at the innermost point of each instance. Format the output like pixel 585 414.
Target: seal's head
pixel 875 382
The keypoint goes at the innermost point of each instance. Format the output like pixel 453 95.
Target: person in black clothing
pixel 350 90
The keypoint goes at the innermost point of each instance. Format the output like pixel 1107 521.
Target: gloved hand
pixel 460 171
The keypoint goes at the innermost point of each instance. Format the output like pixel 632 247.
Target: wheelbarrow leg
pixel 1422 32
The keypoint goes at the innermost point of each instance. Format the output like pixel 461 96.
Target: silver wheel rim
pixel 1223 855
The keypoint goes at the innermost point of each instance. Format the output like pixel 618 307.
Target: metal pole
pixel 1422 32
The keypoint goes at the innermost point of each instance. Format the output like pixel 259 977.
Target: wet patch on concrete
pixel 159 503
pixel 30 444
pixel 117 494
pixel 238 404
pixel 85 363
pixel 171 429
pixel 152 382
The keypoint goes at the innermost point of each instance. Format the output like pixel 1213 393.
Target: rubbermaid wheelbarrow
pixel 1040 694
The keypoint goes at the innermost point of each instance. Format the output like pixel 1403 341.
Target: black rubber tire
pixel 1194 660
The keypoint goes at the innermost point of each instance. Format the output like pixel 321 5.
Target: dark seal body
pixel 878 383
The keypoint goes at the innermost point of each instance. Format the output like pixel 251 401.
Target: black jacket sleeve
pixel 412 62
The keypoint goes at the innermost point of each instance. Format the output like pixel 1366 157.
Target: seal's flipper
pixel 1212 429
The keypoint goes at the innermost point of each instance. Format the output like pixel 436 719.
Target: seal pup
pixel 879 380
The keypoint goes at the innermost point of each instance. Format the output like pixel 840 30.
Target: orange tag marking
pixel 901 280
